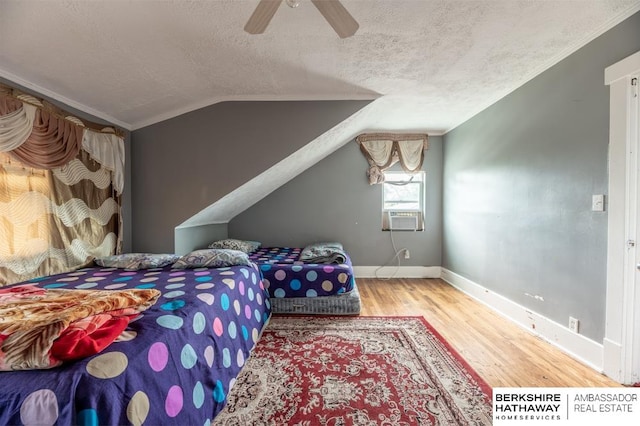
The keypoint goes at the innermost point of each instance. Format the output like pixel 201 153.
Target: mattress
pixel 174 364
pixel 339 304
pixel 287 277
pixel 302 288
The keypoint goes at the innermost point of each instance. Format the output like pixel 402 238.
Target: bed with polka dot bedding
pixel 306 288
pixel 173 365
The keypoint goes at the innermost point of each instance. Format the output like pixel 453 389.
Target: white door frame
pixel 622 333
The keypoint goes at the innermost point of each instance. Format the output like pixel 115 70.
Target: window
pixel 403 201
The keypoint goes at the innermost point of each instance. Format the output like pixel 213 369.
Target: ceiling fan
pixel 332 10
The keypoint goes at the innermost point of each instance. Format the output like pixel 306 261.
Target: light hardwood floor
pixel 502 353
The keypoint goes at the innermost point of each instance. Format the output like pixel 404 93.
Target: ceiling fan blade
pixel 337 16
pixel 261 17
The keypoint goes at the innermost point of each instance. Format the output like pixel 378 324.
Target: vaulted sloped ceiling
pixel 138 62
pixel 429 65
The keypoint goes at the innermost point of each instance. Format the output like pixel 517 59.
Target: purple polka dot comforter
pixel 285 275
pixel 173 365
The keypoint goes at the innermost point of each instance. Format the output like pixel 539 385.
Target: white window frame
pixel 390 177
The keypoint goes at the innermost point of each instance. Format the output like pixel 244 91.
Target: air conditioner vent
pixel 403 221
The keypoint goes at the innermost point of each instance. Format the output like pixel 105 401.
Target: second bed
pixel 298 287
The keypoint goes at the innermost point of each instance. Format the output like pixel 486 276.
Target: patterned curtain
pixel 60 186
pixel 53 221
pixel 383 150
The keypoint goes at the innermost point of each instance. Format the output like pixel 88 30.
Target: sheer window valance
pixel 383 150
pixel 39 136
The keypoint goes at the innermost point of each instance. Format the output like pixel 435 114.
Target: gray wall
pixel 334 201
pixel 197 237
pixel 126 192
pixel 518 181
pixel 184 164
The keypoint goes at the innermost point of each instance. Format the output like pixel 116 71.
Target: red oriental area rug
pixel 309 371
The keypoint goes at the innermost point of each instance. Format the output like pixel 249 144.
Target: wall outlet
pixel 574 324
pixel 407 255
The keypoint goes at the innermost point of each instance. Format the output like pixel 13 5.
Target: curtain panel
pixel 57 220
pixel 60 186
pixel 383 150
pixel 16 122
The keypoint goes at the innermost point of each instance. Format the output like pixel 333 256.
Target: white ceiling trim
pixel 39 90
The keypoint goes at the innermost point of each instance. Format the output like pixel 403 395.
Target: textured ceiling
pixel 437 63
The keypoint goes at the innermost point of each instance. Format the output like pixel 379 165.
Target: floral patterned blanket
pixel 42 328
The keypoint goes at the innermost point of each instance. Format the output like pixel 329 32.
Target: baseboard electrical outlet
pixel 574 324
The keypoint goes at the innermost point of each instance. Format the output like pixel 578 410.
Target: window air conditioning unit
pixel 403 221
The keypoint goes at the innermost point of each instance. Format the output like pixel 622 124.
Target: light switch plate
pixel 597 203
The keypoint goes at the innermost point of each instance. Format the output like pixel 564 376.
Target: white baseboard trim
pixel 397 272
pixel 613 360
pixel 579 347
